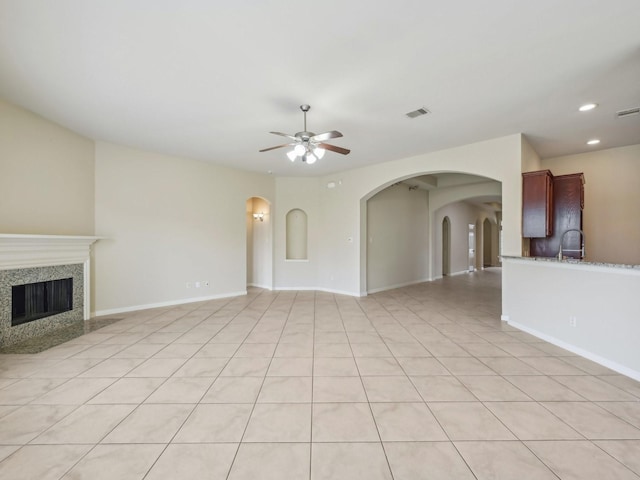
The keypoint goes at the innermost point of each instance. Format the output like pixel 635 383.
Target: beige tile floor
pixel 422 382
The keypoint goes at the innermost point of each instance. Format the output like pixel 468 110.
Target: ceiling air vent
pixel 628 112
pixel 417 113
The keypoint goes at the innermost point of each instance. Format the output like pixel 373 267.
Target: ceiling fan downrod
pixel 305 109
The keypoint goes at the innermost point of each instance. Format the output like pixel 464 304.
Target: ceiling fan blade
pixel 284 135
pixel 333 148
pixel 321 137
pixel 278 146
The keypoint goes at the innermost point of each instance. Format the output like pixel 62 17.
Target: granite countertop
pixel 574 261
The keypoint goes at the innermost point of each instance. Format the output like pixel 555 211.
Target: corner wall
pixel 169 222
pixel 397 238
pixel 46 176
pixel 611 203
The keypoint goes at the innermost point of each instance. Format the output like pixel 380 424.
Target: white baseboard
pixel 398 285
pixel 504 318
pixel 340 292
pixel 257 285
pixel 318 289
pixel 461 272
pixel 302 289
pixel 605 362
pixel 170 303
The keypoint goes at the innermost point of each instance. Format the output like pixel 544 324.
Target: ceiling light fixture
pixel 595 141
pixel 308 146
pixel 588 106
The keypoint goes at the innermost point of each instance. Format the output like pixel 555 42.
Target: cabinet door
pixel 568 194
pixel 537 204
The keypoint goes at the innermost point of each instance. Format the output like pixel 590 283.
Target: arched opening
pixel 259 243
pixel 463 198
pixel 296 239
pixel 446 246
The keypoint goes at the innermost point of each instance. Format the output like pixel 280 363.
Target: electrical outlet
pixel 206 283
pixel 197 284
pixel 572 321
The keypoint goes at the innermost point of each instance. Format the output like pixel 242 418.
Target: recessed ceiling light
pixel 588 106
pixel 595 141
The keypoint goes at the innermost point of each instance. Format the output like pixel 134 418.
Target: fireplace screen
pixel 38 300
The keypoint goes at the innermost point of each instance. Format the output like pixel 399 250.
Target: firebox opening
pixel 39 300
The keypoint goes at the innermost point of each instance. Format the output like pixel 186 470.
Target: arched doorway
pixel 446 246
pixel 259 243
pixel 380 266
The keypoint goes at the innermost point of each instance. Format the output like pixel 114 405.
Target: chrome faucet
pixel 562 239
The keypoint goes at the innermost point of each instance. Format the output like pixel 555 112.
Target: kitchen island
pixel 589 308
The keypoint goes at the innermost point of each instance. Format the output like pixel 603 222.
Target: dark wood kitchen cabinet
pixel 568 203
pixel 537 204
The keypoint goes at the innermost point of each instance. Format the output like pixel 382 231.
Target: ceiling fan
pixel 307 145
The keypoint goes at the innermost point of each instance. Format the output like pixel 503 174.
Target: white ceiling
pixel 208 79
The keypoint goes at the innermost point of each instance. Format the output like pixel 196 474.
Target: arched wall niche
pixel 297 235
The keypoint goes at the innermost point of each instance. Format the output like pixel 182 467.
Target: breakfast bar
pixel 589 308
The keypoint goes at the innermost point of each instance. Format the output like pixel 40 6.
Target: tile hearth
pixel 423 382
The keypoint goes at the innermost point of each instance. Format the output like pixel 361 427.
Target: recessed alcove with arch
pixel 297 232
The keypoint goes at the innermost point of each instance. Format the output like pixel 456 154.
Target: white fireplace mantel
pixel 28 251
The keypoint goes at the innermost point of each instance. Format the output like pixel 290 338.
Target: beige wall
pixel 297 193
pixel 46 176
pixel 612 201
pixel 530 158
pixel 169 221
pixel 397 238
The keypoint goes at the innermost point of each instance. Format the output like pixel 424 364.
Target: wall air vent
pixel 628 112
pixel 417 113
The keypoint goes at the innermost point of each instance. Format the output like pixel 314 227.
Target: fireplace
pixel 44 284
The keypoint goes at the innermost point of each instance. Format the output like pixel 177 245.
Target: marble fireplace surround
pixel 28 258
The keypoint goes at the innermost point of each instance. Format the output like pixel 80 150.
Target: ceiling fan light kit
pixel 308 146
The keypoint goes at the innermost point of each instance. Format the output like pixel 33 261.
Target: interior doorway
pixel 259 243
pixel 446 246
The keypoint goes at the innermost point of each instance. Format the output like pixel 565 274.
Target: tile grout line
pixel 235 456
pixel 384 450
